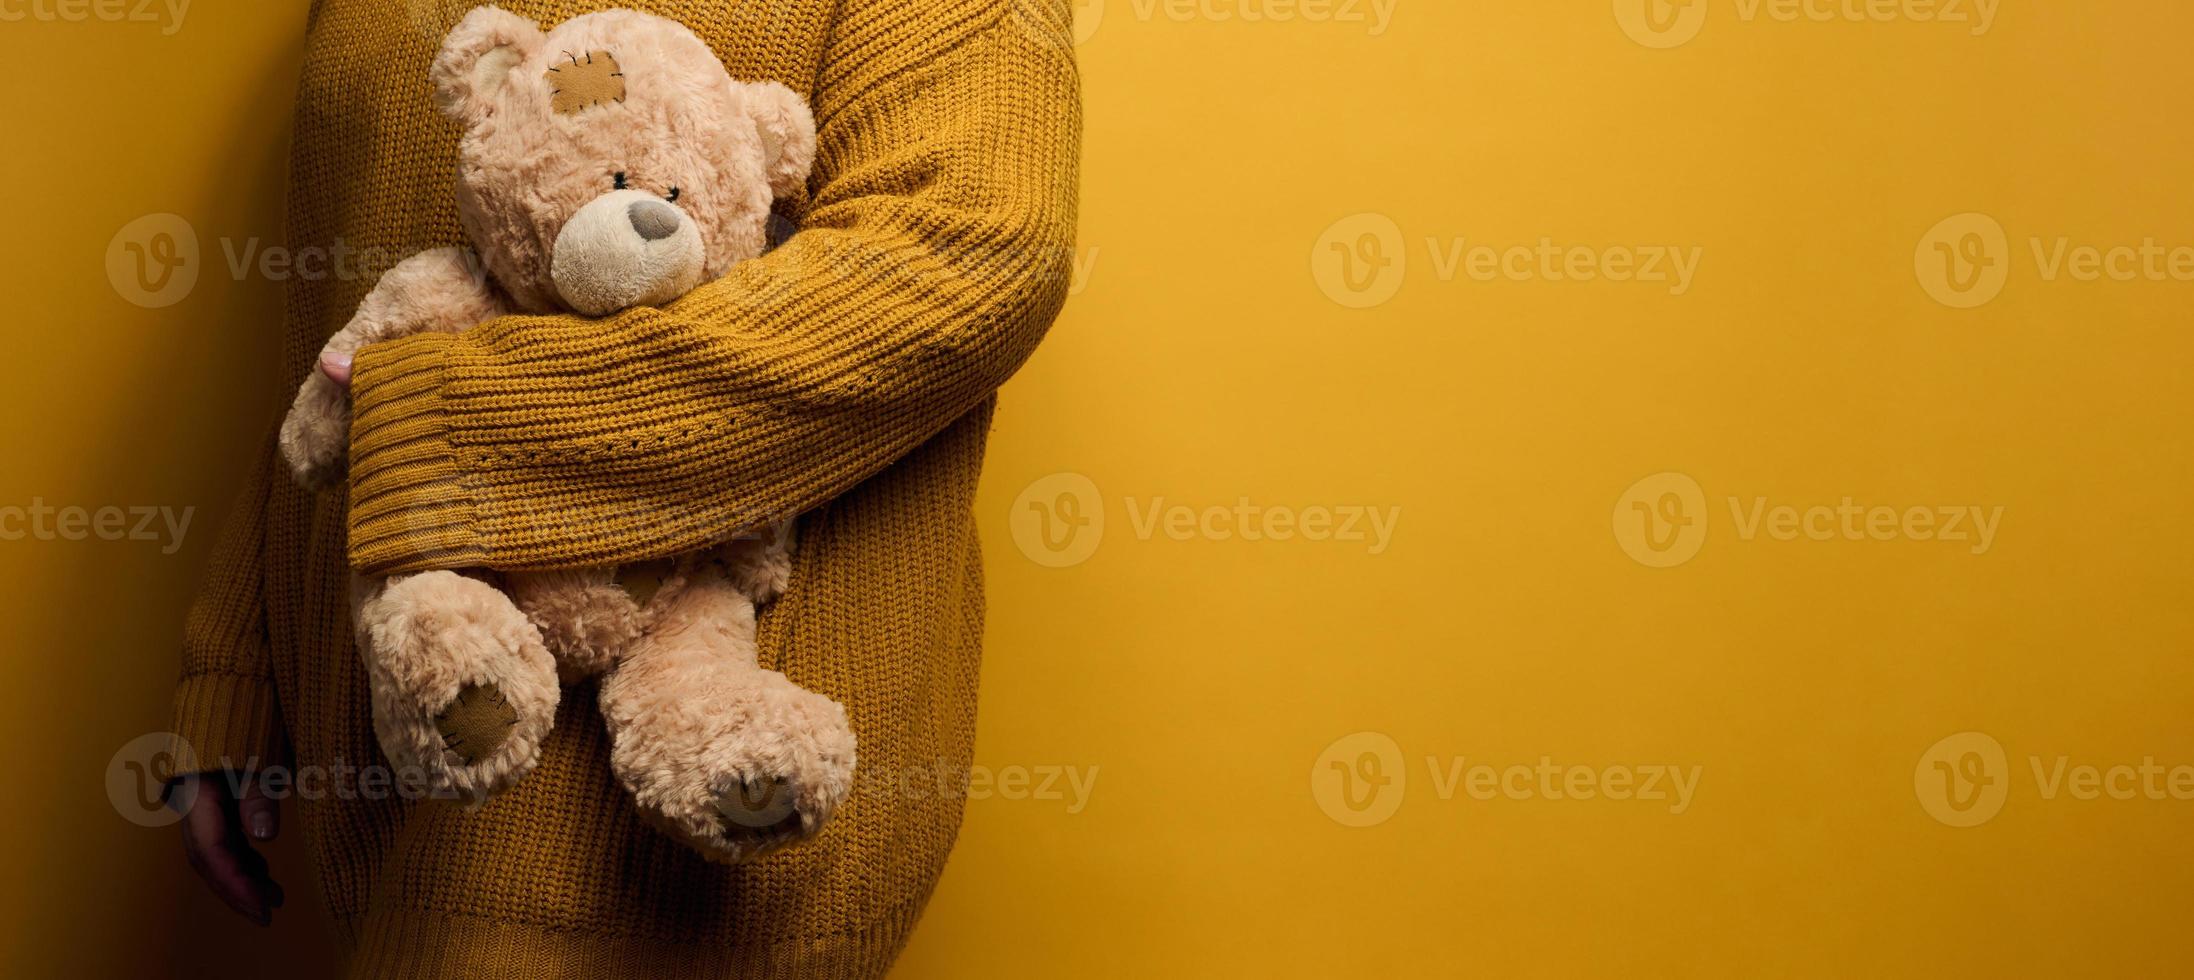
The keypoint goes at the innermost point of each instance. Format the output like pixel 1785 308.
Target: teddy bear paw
pixel 463 690
pixel 315 436
pixel 771 777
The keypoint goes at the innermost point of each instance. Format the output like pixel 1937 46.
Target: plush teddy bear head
pixel 612 161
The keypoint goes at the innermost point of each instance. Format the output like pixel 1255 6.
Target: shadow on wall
pixel 203 390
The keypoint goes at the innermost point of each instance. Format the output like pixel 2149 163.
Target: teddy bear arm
pixel 759 564
pixel 441 290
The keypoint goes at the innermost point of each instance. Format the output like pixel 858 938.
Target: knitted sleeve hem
pixel 410 495
pixel 226 721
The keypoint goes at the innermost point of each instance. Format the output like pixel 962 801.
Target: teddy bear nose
pixel 654 220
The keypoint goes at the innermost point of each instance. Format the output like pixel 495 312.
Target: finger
pixel 336 366
pixel 262 816
pixel 219 854
pixel 205 842
pixel 255 802
pixel 253 863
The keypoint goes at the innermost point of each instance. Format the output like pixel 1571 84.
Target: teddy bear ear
pixel 787 129
pixel 476 61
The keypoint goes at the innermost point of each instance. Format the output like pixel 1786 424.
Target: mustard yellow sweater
pixel 847 376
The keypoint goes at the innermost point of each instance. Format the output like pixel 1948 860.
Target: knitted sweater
pixel 846 376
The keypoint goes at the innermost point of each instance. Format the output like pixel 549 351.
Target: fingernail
pixel 262 826
pixel 337 366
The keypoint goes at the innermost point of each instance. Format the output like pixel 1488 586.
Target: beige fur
pixel 465 667
pixel 441 290
pixel 697 727
pixel 430 636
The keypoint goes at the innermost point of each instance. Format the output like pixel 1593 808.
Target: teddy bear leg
pixel 730 758
pixel 759 563
pixel 463 689
pixel 585 617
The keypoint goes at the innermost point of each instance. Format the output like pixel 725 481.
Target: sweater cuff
pixel 226 721
pixel 411 503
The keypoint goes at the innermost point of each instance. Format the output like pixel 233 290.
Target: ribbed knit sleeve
pixel 933 256
pixel 225 713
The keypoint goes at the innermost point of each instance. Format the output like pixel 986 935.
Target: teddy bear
pixel 608 163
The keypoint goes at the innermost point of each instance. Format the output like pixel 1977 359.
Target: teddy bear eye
pixel 620 180
pixel 672 197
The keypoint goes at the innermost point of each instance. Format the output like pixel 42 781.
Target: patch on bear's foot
pixel 759 804
pixel 477 723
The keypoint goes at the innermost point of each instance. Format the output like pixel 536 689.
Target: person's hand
pixel 336 367
pixel 218 829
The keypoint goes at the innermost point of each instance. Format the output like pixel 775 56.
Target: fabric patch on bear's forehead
pixel 583 82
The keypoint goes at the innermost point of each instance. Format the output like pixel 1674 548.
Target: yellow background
pixel 1202 362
